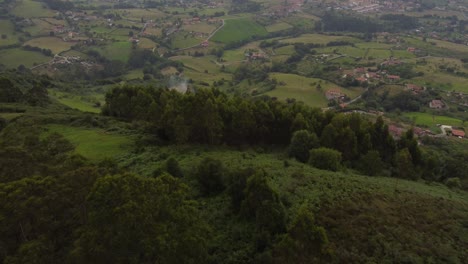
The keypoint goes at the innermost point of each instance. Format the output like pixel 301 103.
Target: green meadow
pixel 119 50
pixel 57 45
pixel 238 29
pixel 76 101
pixel 15 57
pixel 30 9
pixel 94 144
pixel 429 120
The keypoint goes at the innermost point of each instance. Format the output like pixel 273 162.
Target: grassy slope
pixel 55 44
pixel 15 57
pixel 430 120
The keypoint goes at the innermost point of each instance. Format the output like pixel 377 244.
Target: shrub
pixel 325 159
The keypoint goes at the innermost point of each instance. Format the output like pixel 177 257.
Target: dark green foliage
pixel 237 185
pixel 9 93
pixel 132 219
pixel 404 165
pixel 301 143
pixel 305 241
pixel 325 159
pixel 371 164
pixel 173 168
pixel 210 175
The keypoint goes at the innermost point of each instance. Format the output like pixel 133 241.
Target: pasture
pixel 8 29
pixel 13 58
pixel 30 9
pixel 119 50
pixel 238 29
pixel 319 39
pixel 278 27
pixel 300 88
pixel 94 144
pixel 76 101
pixel 201 27
pixel 184 39
pixel 57 45
pixel 429 120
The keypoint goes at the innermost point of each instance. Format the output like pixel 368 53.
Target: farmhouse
pixel 334 94
pixel 395 131
pixel 416 89
pixel 458 133
pixel 436 104
pixel 393 77
pixel 205 44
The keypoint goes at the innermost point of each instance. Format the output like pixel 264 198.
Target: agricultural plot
pixel 374 45
pixel 9 36
pixel 201 27
pixel 429 120
pixel 76 101
pixel 403 54
pixel 319 39
pixel 199 64
pixel 379 53
pixel 30 9
pixel 40 27
pixel 449 45
pixel 286 50
pixel 138 14
pixel 146 43
pixel 443 81
pixel 119 50
pixel 13 58
pixel 278 27
pixel 391 89
pixel 184 40
pixel 134 74
pixel 55 44
pixel 343 50
pixel 233 55
pixel 94 144
pixel 300 88
pixel 238 29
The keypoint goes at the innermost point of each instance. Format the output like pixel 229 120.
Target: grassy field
pixel 344 50
pixel 184 40
pixel 286 50
pixel 119 50
pixel 30 9
pixel 55 44
pixel 94 144
pixel 238 29
pixel 10 116
pixel 300 88
pixel 15 57
pixel 146 43
pixel 137 14
pixel 8 29
pixel 429 120
pixel 443 81
pixel 278 27
pixel 200 27
pixel 76 101
pixel 319 39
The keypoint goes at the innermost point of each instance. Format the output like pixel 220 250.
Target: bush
pixel 325 159
pixel 173 168
pixel 301 142
pixel 210 174
pixel 453 182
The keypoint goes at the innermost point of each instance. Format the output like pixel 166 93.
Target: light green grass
pixel 134 74
pixel 403 54
pixel 94 144
pixel 430 120
pixel 319 39
pixel 233 55
pixel 10 116
pixel 238 29
pixel 55 44
pixel 379 53
pixel 278 27
pixel 344 50
pixel 300 88
pixel 75 101
pixel 13 58
pixel 8 29
pixel 200 27
pixel 119 50
pixel 30 9
pixel 286 50
pixel 184 40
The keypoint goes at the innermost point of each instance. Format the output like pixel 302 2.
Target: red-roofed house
pixel 334 94
pixel 416 89
pixel 458 133
pixel 393 77
pixel 395 131
pixel 436 104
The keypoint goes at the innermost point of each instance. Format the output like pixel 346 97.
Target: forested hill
pixel 209 178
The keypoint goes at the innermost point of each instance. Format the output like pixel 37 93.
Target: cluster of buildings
pixel 283 10
pixel 363 75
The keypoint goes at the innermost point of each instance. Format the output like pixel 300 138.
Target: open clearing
pixel 75 101
pixel 302 89
pixel 237 30
pixel 8 29
pixel 94 144
pixel 15 57
pixel 119 50
pixel 429 120
pixel 55 44
pixel 278 27
pixel 29 9
pixel 319 39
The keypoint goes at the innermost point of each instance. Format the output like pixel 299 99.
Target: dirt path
pixel 209 37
